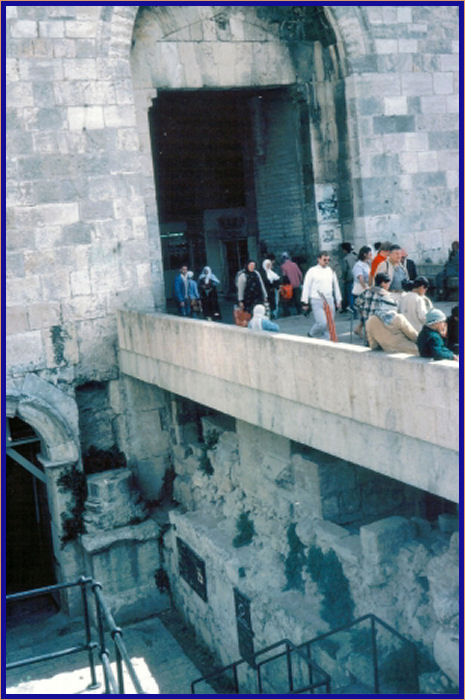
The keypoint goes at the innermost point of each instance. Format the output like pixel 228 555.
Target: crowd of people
pixel 385 293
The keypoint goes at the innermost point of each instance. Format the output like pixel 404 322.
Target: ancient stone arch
pixel 117 25
pixel 38 404
pixel 218 47
pixel 53 416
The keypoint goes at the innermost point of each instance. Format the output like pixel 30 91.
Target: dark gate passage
pixel 29 554
pixel 222 156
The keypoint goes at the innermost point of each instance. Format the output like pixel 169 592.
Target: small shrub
pixel 295 561
pixel 245 530
pixel 337 606
pixel 162 581
pixel 211 439
pixel 96 461
pixel 73 481
pixel 205 465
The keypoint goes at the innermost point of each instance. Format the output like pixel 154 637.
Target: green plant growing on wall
pixel 205 465
pixel 59 336
pixel 295 561
pixel 162 581
pixel 211 439
pixel 245 530
pixel 73 482
pixel 337 606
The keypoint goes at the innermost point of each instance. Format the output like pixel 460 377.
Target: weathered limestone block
pixel 25 352
pixel 447 652
pixel 307 483
pixel 349 549
pixel 448 522
pixel 382 539
pixel 435 683
pixel 112 501
pixel 443 577
pixel 150 475
pixel 422 527
pixel 124 560
pixel 327 533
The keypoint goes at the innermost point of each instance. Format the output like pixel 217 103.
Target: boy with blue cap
pixel 431 341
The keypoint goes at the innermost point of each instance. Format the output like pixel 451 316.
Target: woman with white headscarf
pixel 271 281
pixel 207 284
pixel 260 322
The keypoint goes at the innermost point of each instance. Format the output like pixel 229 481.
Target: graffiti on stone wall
pixel 327 204
pixel 329 229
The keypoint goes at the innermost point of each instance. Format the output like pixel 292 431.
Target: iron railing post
pixel 259 680
pixel 375 655
pixel 119 665
pixel 236 680
pixel 101 632
pixel 90 645
pixel 310 667
pixel 290 678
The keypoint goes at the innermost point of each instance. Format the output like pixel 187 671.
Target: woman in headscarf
pixel 193 295
pixel 250 288
pixel 207 284
pixel 271 281
pixel 260 322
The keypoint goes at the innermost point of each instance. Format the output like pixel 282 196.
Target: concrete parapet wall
pixel 397 415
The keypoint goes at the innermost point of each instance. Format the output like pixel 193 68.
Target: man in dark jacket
pixel 430 340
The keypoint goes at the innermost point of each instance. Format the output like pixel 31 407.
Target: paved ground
pixel 161 665
pixel 300 325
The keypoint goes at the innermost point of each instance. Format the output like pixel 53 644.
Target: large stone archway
pixel 233 48
pixel 53 417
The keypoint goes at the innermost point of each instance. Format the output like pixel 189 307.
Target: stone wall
pixel 77 234
pixel 403 87
pixel 385 560
pixel 343 399
pixel 82 226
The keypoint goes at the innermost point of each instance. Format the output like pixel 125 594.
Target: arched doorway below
pixel 29 554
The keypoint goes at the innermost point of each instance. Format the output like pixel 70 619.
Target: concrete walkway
pixel 300 325
pixel 160 664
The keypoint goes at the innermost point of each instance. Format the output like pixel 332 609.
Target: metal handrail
pixel 373 620
pixel 104 620
pixel 220 672
pixel 290 647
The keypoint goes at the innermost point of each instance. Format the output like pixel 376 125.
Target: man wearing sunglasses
pixel 320 284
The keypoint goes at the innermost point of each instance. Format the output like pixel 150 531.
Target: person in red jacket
pixel 382 254
pixel 294 273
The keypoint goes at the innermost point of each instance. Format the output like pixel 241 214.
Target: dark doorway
pixel 202 163
pixel 233 177
pixel 236 256
pixel 29 553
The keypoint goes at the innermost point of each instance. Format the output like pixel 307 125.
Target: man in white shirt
pixel 320 281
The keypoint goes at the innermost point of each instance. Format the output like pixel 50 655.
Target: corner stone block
pixel 329 533
pixel 349 549
pixel 381 539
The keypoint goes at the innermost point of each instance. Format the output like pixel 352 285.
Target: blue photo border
pixel 8 3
